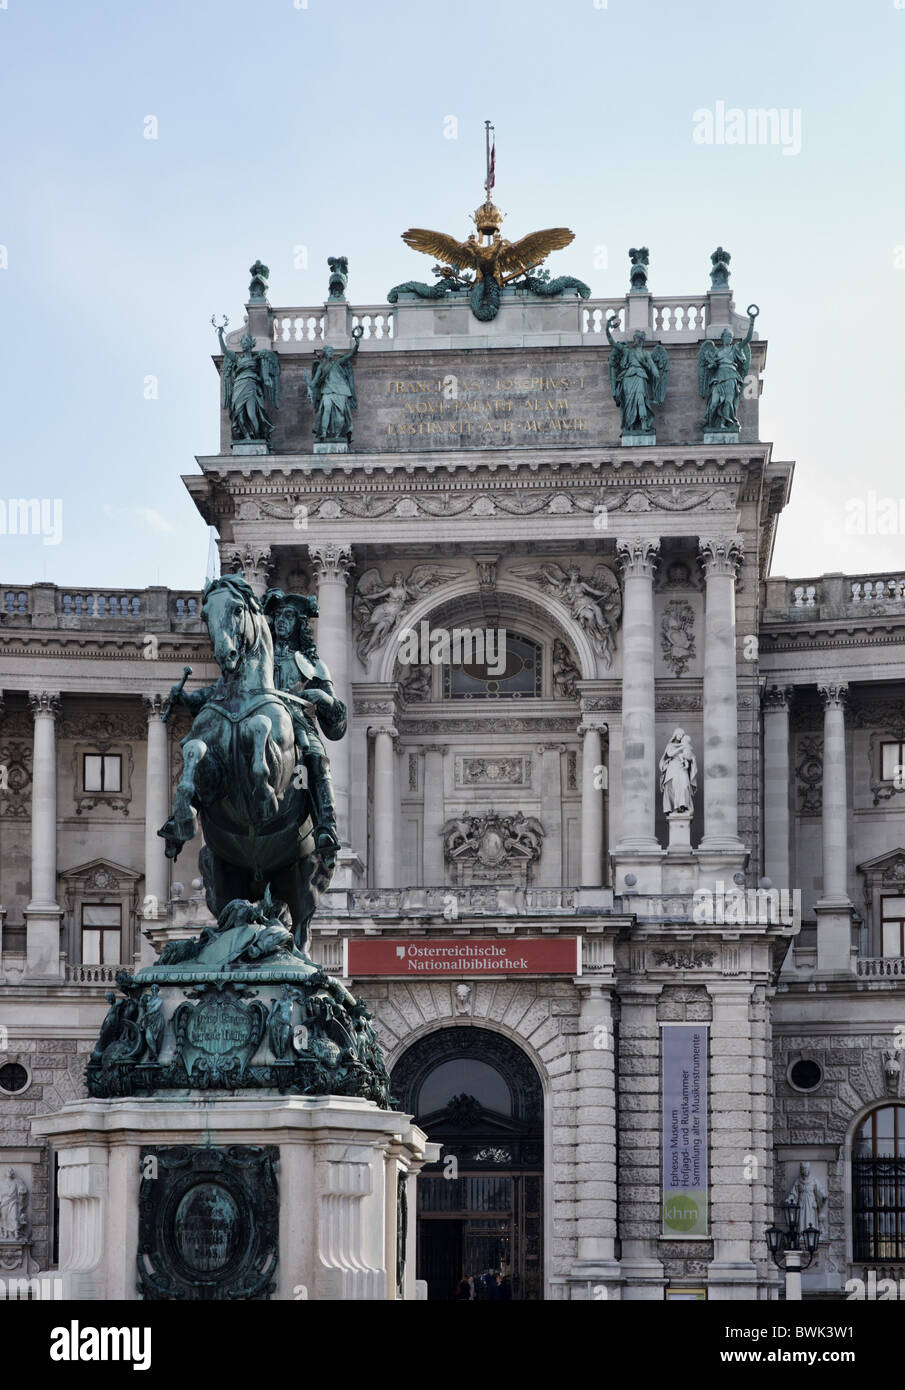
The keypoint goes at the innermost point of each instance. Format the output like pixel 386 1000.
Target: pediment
pixel 889 868
pixel 101 874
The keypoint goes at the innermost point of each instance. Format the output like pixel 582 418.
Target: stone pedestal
pixel 338 446
pixel 679 823
pixel 636 440
pixel 343 1220
pixel 250 448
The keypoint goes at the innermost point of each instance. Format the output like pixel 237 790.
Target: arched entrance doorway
pixel 476 1093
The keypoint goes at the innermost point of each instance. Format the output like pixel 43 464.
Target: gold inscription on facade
pixel 504 407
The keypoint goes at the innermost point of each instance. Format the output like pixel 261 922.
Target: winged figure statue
pixel 721 375
pixel 638 379
pixel 595 605
pixel 378 606
pixel 492 259
pixel 250 381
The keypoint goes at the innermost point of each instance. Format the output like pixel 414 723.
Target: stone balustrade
pixel 59 606
pixel 834 596
pixel 875 967
pixel 672 318
pixel 450 903
pixel 93 974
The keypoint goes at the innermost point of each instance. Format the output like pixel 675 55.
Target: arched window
pixel 878 1185
pixel 492 664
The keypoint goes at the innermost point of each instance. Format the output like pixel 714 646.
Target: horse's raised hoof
pixel 174 842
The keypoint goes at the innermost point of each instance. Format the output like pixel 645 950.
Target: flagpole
pixel 487 160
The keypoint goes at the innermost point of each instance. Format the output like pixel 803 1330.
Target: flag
pixel 491 173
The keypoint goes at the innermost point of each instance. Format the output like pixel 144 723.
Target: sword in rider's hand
pixel 165 714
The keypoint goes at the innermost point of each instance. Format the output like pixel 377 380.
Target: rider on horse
pixel 299 673
pixel 298 669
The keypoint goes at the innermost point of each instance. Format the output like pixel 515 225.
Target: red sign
pixel 479 957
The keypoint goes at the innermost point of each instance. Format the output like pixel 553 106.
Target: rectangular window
pixel 102 772
pixel 101 934
pixel 892 756
pixel 893 923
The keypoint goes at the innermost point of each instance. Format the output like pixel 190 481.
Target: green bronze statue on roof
pixel 250 381
pixel 722 369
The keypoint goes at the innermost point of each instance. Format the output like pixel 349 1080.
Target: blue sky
pixel 323 126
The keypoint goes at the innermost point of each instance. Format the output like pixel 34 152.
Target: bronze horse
pixel 241 772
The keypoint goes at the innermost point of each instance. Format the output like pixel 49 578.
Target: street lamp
pixel 789 1244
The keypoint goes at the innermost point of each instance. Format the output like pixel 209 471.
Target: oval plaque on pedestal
pixel 207 1227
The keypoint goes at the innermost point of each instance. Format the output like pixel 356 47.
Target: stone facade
pixel 487 464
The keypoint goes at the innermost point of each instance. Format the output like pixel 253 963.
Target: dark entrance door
pixel 480 1207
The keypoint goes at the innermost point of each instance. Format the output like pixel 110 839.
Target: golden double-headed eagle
pixel 497 258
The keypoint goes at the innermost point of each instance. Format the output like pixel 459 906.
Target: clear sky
pixel 282 124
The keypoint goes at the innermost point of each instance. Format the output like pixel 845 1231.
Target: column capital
pixel 720 554
pixel 441 748
pixel 44 702
pixel 255 563
pixel 331 560
pixel 592 723
pixel 834 696
pixel 543 748
pixel 638 556
pixel 777 699
pixel 389 729
pixel 154 706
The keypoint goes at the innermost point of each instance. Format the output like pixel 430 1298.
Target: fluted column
pixel 332 563
pixel 776 702
pixel 720 558
pixel 43 913
pixel 157 796
pixel 592 790
pixel 833 910
pixel 254 561
pixel 638 560
pixel 434 870
pixel 386 808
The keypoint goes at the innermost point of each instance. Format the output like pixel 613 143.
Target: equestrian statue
pixel 255 770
